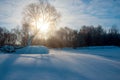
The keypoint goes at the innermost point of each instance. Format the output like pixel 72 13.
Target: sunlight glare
pixel 42 25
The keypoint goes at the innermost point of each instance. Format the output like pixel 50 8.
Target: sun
pixel 42 25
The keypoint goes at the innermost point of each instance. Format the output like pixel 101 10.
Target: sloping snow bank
pixel 91 47
pixel 33 50
pixel 110 52
pixel 99 47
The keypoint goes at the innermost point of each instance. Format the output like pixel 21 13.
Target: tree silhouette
pixel 37 13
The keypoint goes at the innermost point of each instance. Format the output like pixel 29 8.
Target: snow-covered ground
pixel 93 63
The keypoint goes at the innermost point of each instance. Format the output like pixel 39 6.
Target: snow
pixel 63 64
pixel 111 52
pixel 33 50
pixel 7 48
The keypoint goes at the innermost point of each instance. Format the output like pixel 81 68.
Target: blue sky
pixel 75 13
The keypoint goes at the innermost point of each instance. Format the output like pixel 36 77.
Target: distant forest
pixel 64 37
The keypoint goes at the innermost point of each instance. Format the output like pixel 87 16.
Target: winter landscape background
pixel 59 40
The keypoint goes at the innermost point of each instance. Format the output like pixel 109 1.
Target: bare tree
pixel 19 34
pixel 37 13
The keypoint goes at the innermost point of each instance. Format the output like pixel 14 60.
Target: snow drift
pixel 33 50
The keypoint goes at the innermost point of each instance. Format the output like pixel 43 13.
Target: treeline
pixel 65 37
pixel 7 37
pixel 86 36
pixel 14 37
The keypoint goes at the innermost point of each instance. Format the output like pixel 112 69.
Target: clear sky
pixel 75 13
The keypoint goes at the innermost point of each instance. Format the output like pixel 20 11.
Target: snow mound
pixel 7 49
pixel 33 50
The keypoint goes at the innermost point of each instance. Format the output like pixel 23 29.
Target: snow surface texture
pixel 65 64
